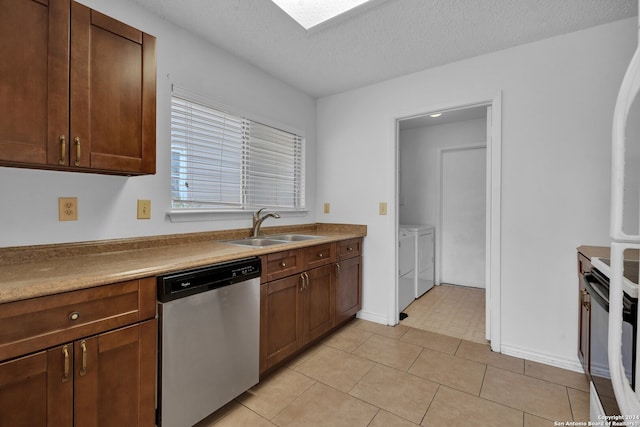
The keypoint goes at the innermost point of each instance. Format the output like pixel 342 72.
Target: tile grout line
pixel 431 403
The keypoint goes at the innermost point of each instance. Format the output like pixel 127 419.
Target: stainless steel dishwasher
pixel 209 339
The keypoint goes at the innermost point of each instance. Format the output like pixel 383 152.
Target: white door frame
pixel 494 207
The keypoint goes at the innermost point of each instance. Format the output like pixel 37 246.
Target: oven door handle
pixel 595 292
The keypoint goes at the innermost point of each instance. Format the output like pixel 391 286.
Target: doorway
pixel 485 118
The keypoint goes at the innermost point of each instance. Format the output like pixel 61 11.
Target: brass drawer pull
pixel 338 269
pixel 74 316
pixel 63 150
pixel 77 141
pixel 320 254
pixel 83 346
pixel 307 277
pixel 65 352
pixel 349 249
pixel 283 264
pixel 303 284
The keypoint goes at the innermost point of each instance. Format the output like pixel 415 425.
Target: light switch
pixel 382 208
pixel 327 207
pixel 144 209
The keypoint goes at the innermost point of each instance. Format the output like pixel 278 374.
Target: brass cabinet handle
pixel 338 269
pixel 67 363
pixel 74 316
pixel 320 254
pixel 76 140
pixel 83 346
pixel 63 150
pixel 305 281
pixel 349 248
pixel 283 264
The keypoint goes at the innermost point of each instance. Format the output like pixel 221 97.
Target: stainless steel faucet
pixel 258 220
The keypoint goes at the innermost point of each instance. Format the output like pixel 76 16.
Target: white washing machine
pixel 423 237
pixel 406 268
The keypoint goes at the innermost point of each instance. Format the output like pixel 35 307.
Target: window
pixel 220 161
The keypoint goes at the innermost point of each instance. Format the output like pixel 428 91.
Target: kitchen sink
pixel 257 242
pixel 293 237
pixel 278 239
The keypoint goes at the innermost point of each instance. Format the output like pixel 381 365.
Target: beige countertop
pixel 28 272
pixel 594 251
pixel 605 252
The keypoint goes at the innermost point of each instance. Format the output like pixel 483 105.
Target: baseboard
pixel 572 365
pixel 372 317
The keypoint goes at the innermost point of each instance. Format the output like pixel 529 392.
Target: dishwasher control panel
pixel 184 283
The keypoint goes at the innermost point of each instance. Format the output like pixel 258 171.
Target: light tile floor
pixel 457 311
pixel 366 374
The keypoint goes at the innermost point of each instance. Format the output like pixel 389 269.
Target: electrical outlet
pixel 144 209
pixel 67 208
pixel 327 207
pixel 382 208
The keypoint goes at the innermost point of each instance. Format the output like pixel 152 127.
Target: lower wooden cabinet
pixel 294 311
pixel 298 309
pixel 280 320
pixel 103 379
pixel 348 287
pixel 318 311
pixel 33 391
pixel 584 315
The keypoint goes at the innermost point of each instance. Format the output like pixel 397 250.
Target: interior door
pixel 463 216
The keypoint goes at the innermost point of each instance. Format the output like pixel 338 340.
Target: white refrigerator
pixel 625 228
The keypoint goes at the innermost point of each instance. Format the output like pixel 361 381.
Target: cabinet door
pixel 281 320
pixel 348 286
pixel 319 302
pixel 584 315
pixel 585 330
pixel 35 392
pixel 34 80
pixel 113 90
pixel 115 378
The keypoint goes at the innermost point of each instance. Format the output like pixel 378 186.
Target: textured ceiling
pixel 383 41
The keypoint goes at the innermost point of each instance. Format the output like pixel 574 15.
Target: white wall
pixel 557 107
pixel 107 204
pixel 419 171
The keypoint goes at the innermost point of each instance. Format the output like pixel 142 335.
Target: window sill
pixel 193 215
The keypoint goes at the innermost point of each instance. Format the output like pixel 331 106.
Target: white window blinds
pixel 222 161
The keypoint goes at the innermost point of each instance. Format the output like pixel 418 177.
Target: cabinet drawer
pixel 349 248
pixel 316 256
pixel 584 264
pixel 282 264
pixel 43 322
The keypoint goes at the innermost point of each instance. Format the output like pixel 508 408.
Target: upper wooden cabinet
pixel 78 90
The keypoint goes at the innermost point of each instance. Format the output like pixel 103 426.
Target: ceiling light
pixel 434 115
pixel 310 13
